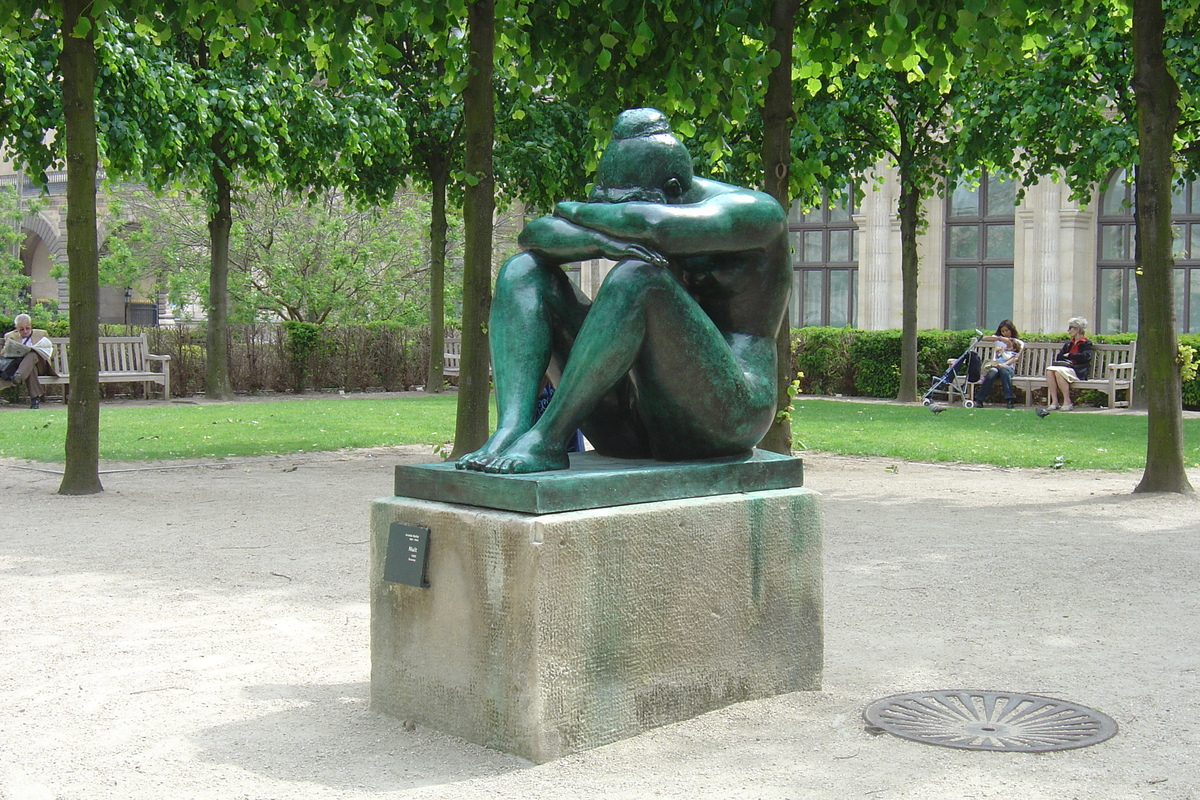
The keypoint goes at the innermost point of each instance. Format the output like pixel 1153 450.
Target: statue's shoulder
pixel 761 202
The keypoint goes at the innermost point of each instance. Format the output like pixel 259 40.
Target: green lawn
pixel 992 436
pixel 238 429
pixel 1017 438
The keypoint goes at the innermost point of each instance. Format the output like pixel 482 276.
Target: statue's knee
pixel 525 272
pixel 632 274
pixel 519 269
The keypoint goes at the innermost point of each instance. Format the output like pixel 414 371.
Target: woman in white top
pixel 1002 364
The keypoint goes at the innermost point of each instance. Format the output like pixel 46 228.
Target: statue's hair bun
pixel 638 122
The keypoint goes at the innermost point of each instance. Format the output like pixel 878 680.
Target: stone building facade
pixel 43 245
pixel 984 257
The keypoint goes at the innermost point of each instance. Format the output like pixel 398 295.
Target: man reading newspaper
pixel 25 356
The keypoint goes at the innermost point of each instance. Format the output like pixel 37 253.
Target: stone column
pixel 1054 271
pixel 879 279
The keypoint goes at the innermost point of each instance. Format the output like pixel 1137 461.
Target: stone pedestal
pixel 547 634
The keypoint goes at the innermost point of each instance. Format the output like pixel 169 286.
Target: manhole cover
pixel 1005 721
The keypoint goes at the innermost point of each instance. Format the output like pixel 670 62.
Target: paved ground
pixel 202 633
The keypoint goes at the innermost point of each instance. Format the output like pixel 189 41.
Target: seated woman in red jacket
pixel 1071 365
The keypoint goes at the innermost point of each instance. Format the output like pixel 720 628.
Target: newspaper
pixel 14 349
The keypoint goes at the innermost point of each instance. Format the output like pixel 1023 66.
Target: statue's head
pixel 643 161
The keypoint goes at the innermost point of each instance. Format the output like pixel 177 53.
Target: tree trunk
pixel 1157 97
pixel 216 372
pixel 910 209
pixel 471 424
pixel 81 473
pixel 437 274
pixel 776 158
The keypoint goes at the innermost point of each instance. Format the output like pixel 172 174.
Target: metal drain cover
pixel 974 720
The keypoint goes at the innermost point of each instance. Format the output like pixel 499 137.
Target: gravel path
pixel 203 633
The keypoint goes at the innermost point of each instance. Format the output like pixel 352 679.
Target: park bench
pixel 1111 370
pixel 123 359
pixel 452 355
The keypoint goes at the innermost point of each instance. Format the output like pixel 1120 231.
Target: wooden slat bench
pixel 451 356
pixel 123 359
pixel 1111 369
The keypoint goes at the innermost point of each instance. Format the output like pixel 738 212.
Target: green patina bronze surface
pixel 674 359
pixel 596 481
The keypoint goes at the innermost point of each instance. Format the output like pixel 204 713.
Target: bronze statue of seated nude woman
pixel 675 358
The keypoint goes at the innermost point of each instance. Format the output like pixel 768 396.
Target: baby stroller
pixel 950 384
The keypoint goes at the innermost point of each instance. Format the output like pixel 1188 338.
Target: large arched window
pixel 980 235
pixel 824 265
pixel 1116 286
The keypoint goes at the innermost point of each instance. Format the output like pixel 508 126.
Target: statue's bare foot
pixel 497 443
pixel 530 453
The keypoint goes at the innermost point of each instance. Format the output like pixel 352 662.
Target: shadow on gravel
pixel 329 736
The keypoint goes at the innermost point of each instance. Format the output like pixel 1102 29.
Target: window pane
pixel 1195 251
pixel 812 297
pixel 839 246
pixel 963 312
pixel 1114 197
pixel 1194 303
pixel 1178 199
pixel 1002 197
pixel 1179 241
pixel 964 202
pixel 839 210
pixel 1000 241
pixel 796 240
pixel 796 212
pixel 998 300
pixel 853 297
pixel 1110 301
pixel 1180 299
pixel 840 298
pixel 1112 243
pixel 812 247
pixel 1131 322
pixel 794 311
pixel 814 216
pixel 964 241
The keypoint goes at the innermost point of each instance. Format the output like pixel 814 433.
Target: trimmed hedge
pixel 57 327
pixel 860 363
pixel 390 357
pixel 867 363
pixel 293 358
pixel 1191 389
